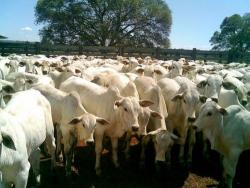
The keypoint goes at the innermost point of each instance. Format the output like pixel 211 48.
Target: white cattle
pixel 121 112
pixel 210 87
pixel 228 131
pixel 126 87
pixel 230 82
pixel 181 102
pixel 149 90
pixel 67 110
pixel 25 124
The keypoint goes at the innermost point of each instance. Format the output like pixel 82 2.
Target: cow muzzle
pixel 244 102
pixel 191 119
pixel 215 99
pixel 135 128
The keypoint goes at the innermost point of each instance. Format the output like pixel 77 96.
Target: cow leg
pixel 22 177
pixel 68 141
pixel 35 164
pixel 98 151
pixel 191 142
pixel 50 143
pixel 127 141
pixel 58 140
pixel 114 142
pixel 229 167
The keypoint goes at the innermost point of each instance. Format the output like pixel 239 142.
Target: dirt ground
pixel 131 174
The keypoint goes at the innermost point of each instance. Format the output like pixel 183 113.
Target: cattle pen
pixel 24 47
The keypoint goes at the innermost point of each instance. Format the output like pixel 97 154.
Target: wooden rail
pixel 20 47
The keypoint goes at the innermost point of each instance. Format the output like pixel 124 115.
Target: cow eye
pixel 208 84
pixel 184 101
pixel 125 109
pixel 209 113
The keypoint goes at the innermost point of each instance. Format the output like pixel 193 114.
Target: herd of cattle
pixel 85 99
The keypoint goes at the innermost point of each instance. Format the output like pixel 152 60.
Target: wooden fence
pixel 20 47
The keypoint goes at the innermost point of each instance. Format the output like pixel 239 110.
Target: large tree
pixel 234 35
pixel 105 22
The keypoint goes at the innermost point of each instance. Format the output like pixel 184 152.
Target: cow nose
pixel 244 103
pixel 215 100
pixel 194 127
pixel 191 119
pixel 135 128
pixel 90 143
pixel 45 72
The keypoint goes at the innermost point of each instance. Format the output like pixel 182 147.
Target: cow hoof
pixel 98 171
pixel 117 165
pixel 38 180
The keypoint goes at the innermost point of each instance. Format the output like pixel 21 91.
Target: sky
pixel 194 21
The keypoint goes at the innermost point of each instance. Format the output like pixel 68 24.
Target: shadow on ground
pixel 131 174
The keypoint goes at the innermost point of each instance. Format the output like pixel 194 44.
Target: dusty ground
pixel 133 175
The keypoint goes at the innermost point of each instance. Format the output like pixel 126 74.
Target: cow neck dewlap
pixel 217 135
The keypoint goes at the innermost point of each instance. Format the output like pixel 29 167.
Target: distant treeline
pixel 20 47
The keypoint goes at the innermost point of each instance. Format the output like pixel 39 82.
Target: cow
pixel 228 131
pixel 71 120
pixel 126 87
pixel 121 112
pixel 149 90
pixel 25 124
pixel 181 102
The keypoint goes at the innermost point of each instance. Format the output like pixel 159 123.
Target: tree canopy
pixel 3 37
pixel 234 35
pixel 105 22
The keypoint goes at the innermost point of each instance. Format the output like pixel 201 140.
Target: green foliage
pixel 234 35
pixel 105 22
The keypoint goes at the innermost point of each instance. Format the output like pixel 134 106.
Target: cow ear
pixel 59 69
pixel 145 103
pixel 140 70
pixel 29 81
pixel 21 64
pixel 37 64
pixel 8 89
pixel 7 98
pixel 118 103
pixel 229 86
pixel 202 84
pixel 203 98
pixel 178 96
pixel 174 137
pixel 77 71
pixel 155 114
pixel 7 64
pixel 75 120
pixel 158 72
pixel 8 141
pixel 102 121
pixel 223 111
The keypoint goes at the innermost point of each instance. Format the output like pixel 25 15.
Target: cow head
pixel 128 109
pixel 210 118
pixel 188 99
pixel 85 126
pixel 210 87
pixel 163 141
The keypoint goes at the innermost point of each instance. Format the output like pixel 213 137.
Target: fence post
pixel 157 52
pixel 37 48
pixel 26 48
pixel 220 57
pixel 80 50
pixel 194 54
